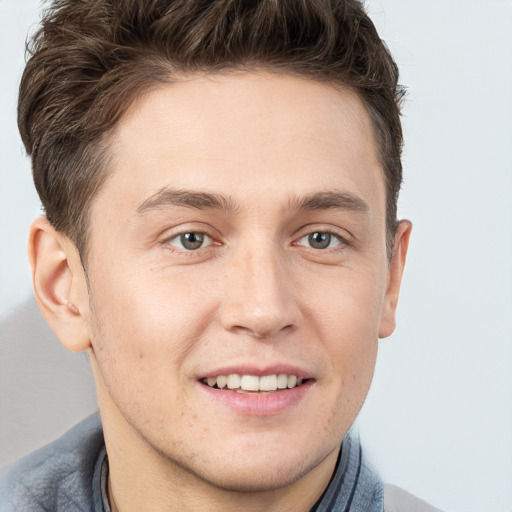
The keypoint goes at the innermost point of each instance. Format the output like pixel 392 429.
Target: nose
pixel 259 298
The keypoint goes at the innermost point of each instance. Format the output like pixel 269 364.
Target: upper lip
pixel 258 371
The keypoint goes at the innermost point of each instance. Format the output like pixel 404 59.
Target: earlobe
pixel 59 284
pixel 396 270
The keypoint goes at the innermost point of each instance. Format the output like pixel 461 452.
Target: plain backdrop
pixel 438 420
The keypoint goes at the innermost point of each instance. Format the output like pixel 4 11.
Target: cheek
pixel 349 307
pixel 347 319
pixel 145 327
pixel 348 329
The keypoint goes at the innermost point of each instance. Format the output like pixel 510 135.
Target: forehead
pixel 232 134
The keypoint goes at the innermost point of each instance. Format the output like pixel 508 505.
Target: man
pixel 220 183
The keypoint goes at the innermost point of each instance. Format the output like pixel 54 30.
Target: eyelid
pixel 171 234
pixel 344 241
pixel 333 235
pixel 207 240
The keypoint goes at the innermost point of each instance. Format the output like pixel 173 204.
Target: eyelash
pixel 178 236
pixel 209 240
pixel 341 242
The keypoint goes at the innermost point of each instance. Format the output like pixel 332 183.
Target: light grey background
pixel 438 419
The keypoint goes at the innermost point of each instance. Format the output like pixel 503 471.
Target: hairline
pixel 105 156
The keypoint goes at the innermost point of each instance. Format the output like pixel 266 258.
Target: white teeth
pixel 252 383
pixel 282 381
pixel 222 381
pixel 234 381
pixel 292 381
pixel 268 383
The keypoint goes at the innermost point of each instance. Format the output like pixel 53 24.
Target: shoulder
pixel 398 500
pixel 58 476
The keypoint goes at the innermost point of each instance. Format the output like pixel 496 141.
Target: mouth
pixel 265 384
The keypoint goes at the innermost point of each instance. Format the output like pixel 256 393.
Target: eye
pixel 321 240
pixel 190 241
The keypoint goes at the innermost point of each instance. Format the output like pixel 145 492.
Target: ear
pixel 396 271
pixel 59 283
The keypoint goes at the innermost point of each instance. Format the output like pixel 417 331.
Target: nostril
pixel 262 332
pixel 249 315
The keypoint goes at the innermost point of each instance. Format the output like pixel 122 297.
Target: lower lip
pixel 258 404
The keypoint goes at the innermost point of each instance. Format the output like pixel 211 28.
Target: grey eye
pixel 190 241
pixel 319 240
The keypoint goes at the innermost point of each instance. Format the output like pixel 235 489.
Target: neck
pixel 142 479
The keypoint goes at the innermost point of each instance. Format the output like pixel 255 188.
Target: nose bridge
pixel 259 299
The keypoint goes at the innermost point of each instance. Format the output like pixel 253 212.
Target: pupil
pixel 319 240
pixel 192 240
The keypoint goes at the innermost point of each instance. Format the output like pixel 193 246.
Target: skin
pixel 156 317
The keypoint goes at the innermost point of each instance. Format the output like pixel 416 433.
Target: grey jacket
pixel 70 475
pixel 398 500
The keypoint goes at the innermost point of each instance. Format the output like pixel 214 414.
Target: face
pixel 238 276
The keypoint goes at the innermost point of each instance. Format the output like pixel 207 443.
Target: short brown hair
pixel 91 58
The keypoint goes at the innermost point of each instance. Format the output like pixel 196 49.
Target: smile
pixel 253 383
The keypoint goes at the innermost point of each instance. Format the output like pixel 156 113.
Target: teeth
pixel 234 381
pixel 268 383
pixel 252 383
pixel 292 381
pixel 282 381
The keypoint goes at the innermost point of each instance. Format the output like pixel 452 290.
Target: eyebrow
pixel 167 197
pixel 330 200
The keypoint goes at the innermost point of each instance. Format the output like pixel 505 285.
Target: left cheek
pixel 349 323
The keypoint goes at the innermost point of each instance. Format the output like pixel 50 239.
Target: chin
pixel 256 471
pixel 253 479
